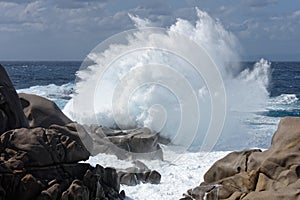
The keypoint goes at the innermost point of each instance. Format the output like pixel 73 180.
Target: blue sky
pixel 69 29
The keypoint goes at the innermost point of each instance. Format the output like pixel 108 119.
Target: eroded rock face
pixel 40 161
pixel 42 112
pixel 11 113
pixel 43 164
pixel 64 181
pixel 140 173
pixel 252 174
pixel 41 147
pixel 135 143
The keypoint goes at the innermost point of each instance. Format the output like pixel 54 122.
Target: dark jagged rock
pixel 77 190
pixel 271 174
pixel 11 113
pixel 64 181
pixel 139 174
pixel 42 112
pixel 42 164
pixel 135 143
pixel 39 159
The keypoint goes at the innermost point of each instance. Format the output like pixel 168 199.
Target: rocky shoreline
pixel 41 152
pixel 254 174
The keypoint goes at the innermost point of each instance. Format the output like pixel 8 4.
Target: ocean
pixel 55 80
pixel 151 79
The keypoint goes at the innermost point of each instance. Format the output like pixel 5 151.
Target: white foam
pixel 178 176
pixel 246 92
pixel 60 94
pixel 284 99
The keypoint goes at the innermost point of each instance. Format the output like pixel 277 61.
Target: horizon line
pixel 75 60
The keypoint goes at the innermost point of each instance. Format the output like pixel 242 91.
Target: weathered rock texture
pixel 11 113
pixel 137 143
pixel 272 174
pixel 139 174
pixel 39 159
pixel 43 164
pixel 42 112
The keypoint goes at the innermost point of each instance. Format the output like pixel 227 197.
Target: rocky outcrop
pixel 139 174
pixel 40 159
pixel 11 113
pixel 253 174
pixel 42 112
pixel 41 147
pixel 43 164
pixel 135 143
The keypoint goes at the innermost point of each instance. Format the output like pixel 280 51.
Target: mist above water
pixel 162 90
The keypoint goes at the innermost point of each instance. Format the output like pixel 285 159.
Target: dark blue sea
pixel 55 80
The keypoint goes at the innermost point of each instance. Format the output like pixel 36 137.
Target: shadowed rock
pixel 40 161
pixel 272 174
pixel 42 112
pixel 139 174
pixel 11 113
pixel 134 143
pixel 42 164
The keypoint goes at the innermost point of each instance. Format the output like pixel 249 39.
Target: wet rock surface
pixel 137 143
pixel 140 173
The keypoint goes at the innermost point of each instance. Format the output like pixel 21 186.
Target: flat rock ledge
pixel 273 174
pixel 139 143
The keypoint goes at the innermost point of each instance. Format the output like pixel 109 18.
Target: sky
pixel 70 29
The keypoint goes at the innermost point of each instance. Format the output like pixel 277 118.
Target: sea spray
pixel 156 106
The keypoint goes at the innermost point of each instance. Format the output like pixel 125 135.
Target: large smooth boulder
pixel 42 112
pixel 11 113
pixel 253 174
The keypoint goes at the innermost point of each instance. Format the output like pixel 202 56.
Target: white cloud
pixel 91 21
pixel 276 18
pixel 258 3
pixel 141 23
pixel 295 14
